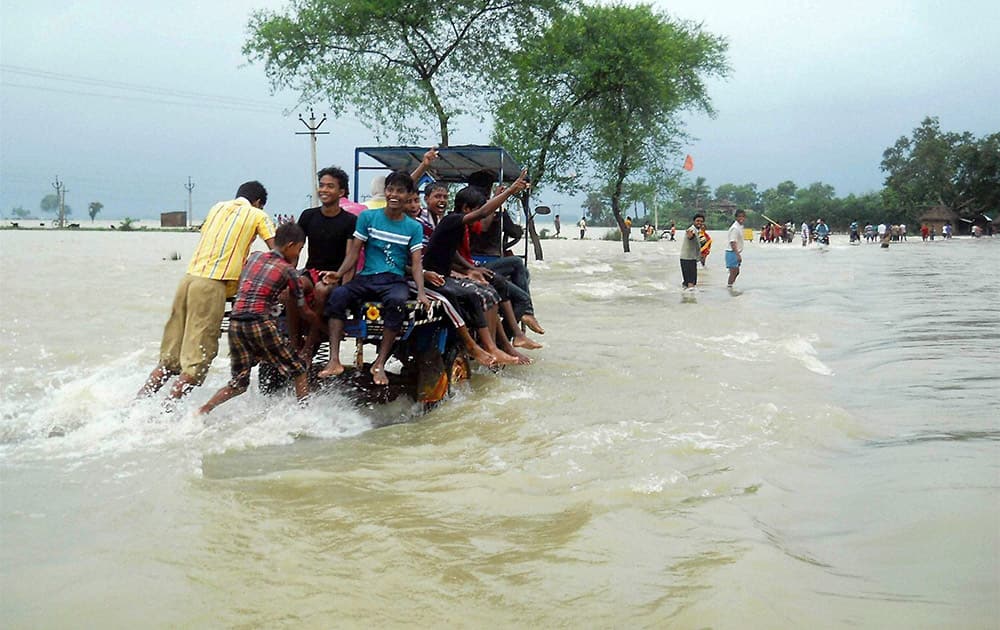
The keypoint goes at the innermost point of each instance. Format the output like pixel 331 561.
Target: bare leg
pixel 487 337
pixel 529 320
pixel 313 336
pixel 182 386
pixel 301 386
pixel 520 339
pixel 384 349
pixel 477 353
pixel 506 346
pixel 220 397
pixel 498 355
pixel 156 379
pixel 334 367
pixel 735 271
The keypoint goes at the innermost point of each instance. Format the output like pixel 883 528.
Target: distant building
pixel 173 219
pixel 936 217
pixel 725 206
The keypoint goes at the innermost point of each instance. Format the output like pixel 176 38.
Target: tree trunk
pixel 617 211
pixel 536 243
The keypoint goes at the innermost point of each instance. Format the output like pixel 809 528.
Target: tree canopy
pixel 397 64
pixel 50 204
pixel 602 90
pixel 934 167
pixel 94 208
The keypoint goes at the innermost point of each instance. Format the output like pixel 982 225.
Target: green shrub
pixel 612 235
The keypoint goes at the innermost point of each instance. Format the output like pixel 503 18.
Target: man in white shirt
pixel 734 255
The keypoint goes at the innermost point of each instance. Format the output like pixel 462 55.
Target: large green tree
pixel 594 206
pixel 743 195
pixel 779 201
pixel 601 91
pixel 934 167
pixel 397 64
pixel 696 195
pixel 814 202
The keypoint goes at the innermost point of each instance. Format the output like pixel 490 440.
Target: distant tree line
pixel 930 168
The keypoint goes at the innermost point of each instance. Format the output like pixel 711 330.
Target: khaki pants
pixel 191 336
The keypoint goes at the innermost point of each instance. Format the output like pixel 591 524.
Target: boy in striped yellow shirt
pixel 191 336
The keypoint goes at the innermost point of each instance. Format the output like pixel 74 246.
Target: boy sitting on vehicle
pixel 253 330
pixel 441 253
pixel 389 237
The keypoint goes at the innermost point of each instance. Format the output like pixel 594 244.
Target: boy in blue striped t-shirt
pixel 389 237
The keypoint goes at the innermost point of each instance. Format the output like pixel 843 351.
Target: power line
pixel 119 97
pixel 132 87
pixel 201 100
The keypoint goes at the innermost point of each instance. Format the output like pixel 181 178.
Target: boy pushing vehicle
pixel 253 330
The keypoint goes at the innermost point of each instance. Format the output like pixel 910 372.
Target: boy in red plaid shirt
pixel 253 331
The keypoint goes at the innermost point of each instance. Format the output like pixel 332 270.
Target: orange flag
pixel 688 163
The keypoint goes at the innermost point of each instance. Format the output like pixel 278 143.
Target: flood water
pixel 821 450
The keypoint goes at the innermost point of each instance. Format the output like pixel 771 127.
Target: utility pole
pixel 190 187
pixel 61 196
pixel 312 126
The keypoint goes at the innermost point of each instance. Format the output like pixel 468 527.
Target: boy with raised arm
pixel 444 244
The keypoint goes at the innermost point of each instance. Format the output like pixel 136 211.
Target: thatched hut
pixel 937 216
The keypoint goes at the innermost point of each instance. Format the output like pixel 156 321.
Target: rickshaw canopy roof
pixel 454 164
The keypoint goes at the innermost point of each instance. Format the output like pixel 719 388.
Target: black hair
pixel 483 180
pixel 739 212
pixel 288 233
pixel 469 197
pixel 253 191
pixel 697 214
pixel 400 178
pixel 430 188
pixel 336 173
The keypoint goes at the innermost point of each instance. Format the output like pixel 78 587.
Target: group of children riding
pixel 383 254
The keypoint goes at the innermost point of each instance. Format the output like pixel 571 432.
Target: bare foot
pixel 378 375
pixel 529 320
pixel 203 410
pixel 483 357
pixel 522 359
pixel 502 358
pixel 522 341
pixel 333 368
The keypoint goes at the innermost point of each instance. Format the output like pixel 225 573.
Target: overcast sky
pixel 125 100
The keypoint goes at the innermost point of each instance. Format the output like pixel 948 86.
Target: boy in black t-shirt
pixel 440 255
pixel 328 229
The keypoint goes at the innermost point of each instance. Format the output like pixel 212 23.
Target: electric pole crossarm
pixel 313 128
